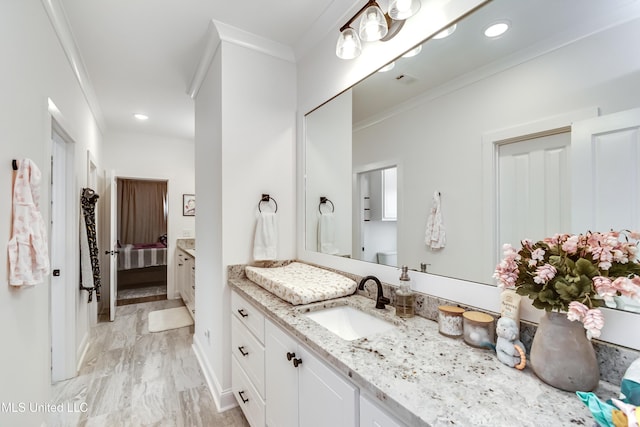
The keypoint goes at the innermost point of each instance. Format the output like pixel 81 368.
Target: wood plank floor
pixel 131 377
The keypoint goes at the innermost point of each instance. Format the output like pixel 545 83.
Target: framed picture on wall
pixel 188 205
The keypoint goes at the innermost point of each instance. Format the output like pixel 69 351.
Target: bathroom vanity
pixel 186 273
pixel 408 374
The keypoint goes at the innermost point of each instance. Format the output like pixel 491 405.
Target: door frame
pixel 63 292
pixel 114 176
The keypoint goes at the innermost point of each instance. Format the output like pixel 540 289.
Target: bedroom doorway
pixel 141 211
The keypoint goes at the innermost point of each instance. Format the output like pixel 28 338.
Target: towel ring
pixel 324 200
pixel 266 198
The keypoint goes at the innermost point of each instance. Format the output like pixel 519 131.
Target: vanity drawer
pixel 248 315
pixel 247 396
pixel 249 353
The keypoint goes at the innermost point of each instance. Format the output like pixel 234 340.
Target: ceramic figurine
pixel 509 348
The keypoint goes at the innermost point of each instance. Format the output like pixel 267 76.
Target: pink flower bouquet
pixel 574 273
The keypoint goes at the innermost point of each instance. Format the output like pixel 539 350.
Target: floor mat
pixel 171 318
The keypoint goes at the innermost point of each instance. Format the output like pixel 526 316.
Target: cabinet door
pixel 371 415
pixel 190 284
pixel 325 398
pixel 180 268
pixel 281 378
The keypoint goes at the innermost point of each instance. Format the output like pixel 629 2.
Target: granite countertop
pixel 187 245
pixel 428 379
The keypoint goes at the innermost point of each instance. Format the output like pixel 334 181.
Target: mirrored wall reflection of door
pixel 534 188
pixel 606 178
pixel 377 216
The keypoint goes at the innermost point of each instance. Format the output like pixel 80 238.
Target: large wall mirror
pixel 484 129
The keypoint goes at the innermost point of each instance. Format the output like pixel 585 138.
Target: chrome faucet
pixel 381 300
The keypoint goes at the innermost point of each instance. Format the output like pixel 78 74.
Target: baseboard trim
pixel 224 399
pixel 82 352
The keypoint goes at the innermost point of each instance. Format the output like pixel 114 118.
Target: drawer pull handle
pixel 241 394
pixel 290 356
pixel 297 362
pixel 242 352
pixel 242 313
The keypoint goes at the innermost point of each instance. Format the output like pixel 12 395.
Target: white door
pixel 113 248
pixel 534 184
pixel 606 172
pixel 63 285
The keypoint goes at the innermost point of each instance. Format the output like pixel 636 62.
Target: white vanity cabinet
pixel 372 415
pixel 247 359
pixel 186 279
pixel 300 389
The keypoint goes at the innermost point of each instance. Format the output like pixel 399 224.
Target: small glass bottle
pixel 405 298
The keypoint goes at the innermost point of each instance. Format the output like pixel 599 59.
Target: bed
pixel 144 255
pixel 142 264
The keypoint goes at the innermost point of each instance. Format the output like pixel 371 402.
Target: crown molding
pixel 61 27
pixel 218 32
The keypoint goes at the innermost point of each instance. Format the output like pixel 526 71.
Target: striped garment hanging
pixel 90 280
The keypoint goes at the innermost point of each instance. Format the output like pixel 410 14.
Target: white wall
pixel 244 146
pixel 141 155
pixel 35 68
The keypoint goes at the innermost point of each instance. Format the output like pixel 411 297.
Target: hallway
pixel 131 377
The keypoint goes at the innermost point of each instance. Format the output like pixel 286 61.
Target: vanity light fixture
pixel 141 117
pixel 446 32
pixel 374 25
pixel 413 52
pixel 496 29
pixel 403 9
pixel 387 67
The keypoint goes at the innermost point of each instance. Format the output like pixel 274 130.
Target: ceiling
pixel 451 62
pixel 141 55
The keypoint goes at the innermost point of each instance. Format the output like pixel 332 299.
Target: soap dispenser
pixel 405 298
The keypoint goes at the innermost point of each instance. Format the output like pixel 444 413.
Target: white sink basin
pixel 349 323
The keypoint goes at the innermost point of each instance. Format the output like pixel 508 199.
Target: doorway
pixel 63 228
pixel 141 211
pixel 377 223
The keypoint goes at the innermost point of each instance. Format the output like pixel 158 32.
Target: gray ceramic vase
pixel 562 356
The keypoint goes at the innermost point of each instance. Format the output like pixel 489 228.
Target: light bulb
pixel 403 9
pixel 349 45
pixel 373 25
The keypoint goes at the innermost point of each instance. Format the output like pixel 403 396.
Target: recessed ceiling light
pixel 496 29
pixel 446 32
pixel 141 116
pixel 413 52
pixel 387 67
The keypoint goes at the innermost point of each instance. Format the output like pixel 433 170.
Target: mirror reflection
pixel 497 127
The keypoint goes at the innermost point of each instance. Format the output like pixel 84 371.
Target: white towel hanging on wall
pixel 326 234
pixel 265 243
pixel 435 237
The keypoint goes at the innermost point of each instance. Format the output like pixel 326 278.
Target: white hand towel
pixel 326 234
pixel 265 243
pixel 435 235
